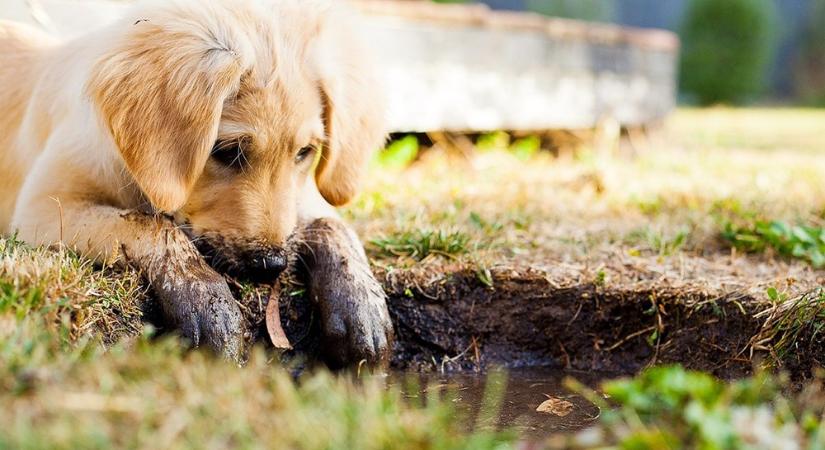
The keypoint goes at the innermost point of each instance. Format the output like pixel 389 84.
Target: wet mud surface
pixel 519 392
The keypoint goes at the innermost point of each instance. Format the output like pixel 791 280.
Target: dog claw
pixel 204 311
pixel 355 321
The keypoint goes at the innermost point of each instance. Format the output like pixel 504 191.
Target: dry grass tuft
pixel 65 292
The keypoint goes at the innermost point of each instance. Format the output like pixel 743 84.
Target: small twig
pixel 575 316
pixel 629 337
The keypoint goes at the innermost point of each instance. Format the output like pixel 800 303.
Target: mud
pixel 520 392
pixel 455 323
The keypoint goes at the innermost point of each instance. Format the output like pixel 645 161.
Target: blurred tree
pixel 810 62
pixel 727 48
pixel 573 9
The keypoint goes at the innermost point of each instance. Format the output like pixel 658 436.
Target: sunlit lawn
pixel 662 202
pixel 660 205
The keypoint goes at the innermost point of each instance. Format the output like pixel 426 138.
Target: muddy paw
pixel 201 306
pixel 355 321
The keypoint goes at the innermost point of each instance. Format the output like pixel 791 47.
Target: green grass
pixel 658 242
pixel 803 242
pixel 419 244
pixel 63 386
pixel 153 394
pixel 670 408
pixel 60 387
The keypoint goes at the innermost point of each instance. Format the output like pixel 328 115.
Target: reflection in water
pixel 507 399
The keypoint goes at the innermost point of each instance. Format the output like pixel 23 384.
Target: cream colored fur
pixel 106 142
pixel 130 113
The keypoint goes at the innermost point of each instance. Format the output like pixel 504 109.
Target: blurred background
pixel 737 52
pixel 775 47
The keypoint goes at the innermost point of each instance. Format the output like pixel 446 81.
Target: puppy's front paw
pixel 355 321
pixel 200 305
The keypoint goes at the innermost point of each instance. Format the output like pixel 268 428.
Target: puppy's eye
pixel 304 153
pixel 229 154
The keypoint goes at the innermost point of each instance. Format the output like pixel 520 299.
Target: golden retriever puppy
pixel 195 135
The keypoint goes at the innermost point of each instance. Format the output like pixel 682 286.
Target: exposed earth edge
pixel 457 321
pixel 454 321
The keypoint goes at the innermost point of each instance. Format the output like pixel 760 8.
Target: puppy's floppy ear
pixel 160 90
pixel 353 108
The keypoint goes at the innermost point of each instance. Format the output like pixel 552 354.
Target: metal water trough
pixel 467 68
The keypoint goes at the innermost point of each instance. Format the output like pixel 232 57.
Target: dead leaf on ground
pixel 555 406
pixel 273 322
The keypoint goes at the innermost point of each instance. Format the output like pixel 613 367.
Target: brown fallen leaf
pixel 273 322
pixel 555 406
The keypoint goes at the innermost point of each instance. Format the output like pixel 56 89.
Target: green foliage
pixel 525 148
pixel 522 148
pixel 496 140
pixel 129 396
pixel 600 10
pixel 661 243
pixel 810 63
pixel 727 46
pixel 62 391
pixel 670 407
pixel 419 244
pixel 399 154
pixel 484 225
pixel 793 241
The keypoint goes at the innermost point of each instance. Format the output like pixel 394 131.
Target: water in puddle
pixel 524 391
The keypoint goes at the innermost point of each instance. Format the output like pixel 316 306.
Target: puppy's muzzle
pixel 266 265
pixel 254 262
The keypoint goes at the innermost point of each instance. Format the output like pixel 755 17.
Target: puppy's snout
pixel 267 266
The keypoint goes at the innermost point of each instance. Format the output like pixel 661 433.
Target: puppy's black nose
pixel 267 266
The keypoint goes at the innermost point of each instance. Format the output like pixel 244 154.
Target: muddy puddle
pixel 508 399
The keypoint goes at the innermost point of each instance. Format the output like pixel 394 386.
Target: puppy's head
pixel 226 115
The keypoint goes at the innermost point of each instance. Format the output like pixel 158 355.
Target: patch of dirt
pixel 450 321
pixel 526 320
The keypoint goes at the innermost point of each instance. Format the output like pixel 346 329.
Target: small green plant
pixel 659 242
pixel 522 148
pixel 399 154
pixel 670 407
pixel 419 244
pixel 526 147
pixel 497 140
pixel 726 48
pixel 601 278
pixel 483 224
pixel 775 296
pixel 485 276
pixel 793 241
